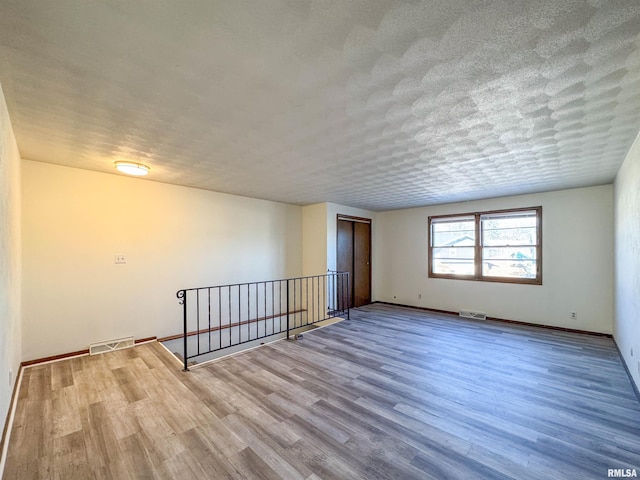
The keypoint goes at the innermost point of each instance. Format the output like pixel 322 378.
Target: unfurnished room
pixel 320 239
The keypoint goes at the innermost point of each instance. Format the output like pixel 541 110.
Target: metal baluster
pixel 330 281
pixel 348 297
pixel 324 297
pixel 198 319
pixel 280 310
pixel 288 309
pixel 182 299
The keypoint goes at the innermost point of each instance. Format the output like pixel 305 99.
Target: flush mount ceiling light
pixel 133 168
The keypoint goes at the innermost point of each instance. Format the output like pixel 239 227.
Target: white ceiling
pixel 368 103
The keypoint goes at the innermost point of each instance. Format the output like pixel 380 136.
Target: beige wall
pixel 314 239
pixel 10 256
pixel 333 210
pixel 627 260
pixel 75 221
pixel 320 236
pixel 577 262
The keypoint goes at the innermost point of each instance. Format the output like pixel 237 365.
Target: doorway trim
pixel 350 218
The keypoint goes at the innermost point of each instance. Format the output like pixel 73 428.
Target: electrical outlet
pixel 119 259
pixel 573 315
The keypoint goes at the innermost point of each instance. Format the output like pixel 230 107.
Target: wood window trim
pixel 478 276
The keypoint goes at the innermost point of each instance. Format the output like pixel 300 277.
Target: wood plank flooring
pixel 393 393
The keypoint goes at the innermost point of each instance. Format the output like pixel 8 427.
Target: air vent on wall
pixel 111 345
pixel 472 314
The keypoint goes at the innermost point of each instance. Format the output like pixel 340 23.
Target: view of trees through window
pixel 492 246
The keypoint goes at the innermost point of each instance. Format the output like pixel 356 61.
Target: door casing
pixel 354 256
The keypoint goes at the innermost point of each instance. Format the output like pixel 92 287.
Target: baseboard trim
pixel 78 353
pixel 8 423
pixel 626 369
pixel 53 358
pixel 496 319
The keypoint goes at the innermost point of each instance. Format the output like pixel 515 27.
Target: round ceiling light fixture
pixel 133 168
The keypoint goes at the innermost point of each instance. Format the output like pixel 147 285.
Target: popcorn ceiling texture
pixel 373 104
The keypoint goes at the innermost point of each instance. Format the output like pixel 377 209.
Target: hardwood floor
pixel 393 393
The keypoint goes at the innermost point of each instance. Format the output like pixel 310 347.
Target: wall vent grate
pixel 111 345
pixel 472 314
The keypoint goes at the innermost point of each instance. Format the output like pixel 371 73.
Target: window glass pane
pixel 519 230
pixel 453 267
pixel 509 236
pixel 509 268
pixel 462 238
pixel 448 223
pixel 453 253
pixel 520 219
pixel 509 253
pixel 453 260
pixel 454 234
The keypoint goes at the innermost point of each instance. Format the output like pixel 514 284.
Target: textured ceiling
pixel 369 103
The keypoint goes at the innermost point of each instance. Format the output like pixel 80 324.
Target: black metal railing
pixel 223 316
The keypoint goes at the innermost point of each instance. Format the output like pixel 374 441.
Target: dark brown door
pixel 345 262
pixel 354 256
pixel 361 263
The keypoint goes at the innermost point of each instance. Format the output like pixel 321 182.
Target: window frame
pixel 477 258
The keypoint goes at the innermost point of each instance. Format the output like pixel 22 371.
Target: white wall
pixel 627 260
pixel 75 221
pixel 10 256
pixel 577 262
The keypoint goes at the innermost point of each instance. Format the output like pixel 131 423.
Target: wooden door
pixel 361 263
pixel 344 262
pixel 354 256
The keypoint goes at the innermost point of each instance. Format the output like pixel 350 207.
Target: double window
pixel 496 246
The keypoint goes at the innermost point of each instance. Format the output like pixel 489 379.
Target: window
pixel 498 246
